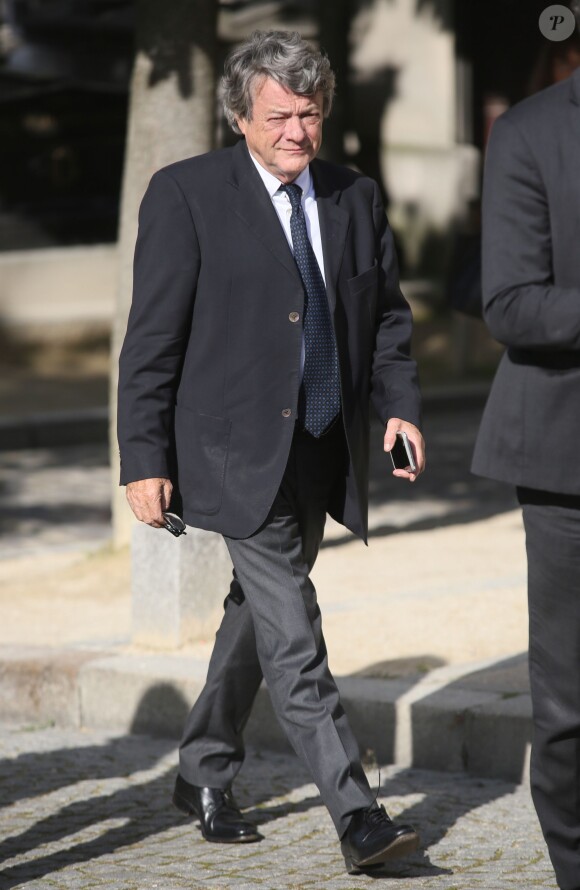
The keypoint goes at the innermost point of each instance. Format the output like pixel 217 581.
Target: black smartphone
pixel 402 454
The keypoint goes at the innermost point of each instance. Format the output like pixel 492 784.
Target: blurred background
pixel 419 85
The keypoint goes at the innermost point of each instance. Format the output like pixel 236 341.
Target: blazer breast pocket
pixel 369 278
pixel 202 443
pixel 365 286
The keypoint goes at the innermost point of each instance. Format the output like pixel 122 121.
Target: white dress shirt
pixel 282 206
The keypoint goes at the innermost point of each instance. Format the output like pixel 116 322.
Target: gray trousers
pixel 552 523
pixel 273 630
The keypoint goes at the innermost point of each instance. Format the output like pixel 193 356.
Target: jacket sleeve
pixel 523 308
pixel 166 268
pixel 394 384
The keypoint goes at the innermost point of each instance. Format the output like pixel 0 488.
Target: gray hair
pixel 286 58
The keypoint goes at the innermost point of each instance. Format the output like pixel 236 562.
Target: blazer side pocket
pixel 202 443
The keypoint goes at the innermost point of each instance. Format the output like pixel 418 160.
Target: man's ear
pixel 240 121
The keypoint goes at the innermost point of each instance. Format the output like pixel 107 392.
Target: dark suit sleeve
pixel 394 385
pixel 166 268
pixel 522 306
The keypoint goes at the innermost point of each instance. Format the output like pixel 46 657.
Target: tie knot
pixel 294 192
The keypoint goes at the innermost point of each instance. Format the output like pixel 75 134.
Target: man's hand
pixel 416 441
pixel 148 498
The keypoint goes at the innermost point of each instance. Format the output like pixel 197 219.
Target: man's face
pixel 285 132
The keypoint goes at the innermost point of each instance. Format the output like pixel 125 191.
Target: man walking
pixel 266 310
pixel 531 426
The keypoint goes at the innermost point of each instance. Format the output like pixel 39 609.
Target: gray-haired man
pixel 266 309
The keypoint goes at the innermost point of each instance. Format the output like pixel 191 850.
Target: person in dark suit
pixel 266 311
pixel 531 424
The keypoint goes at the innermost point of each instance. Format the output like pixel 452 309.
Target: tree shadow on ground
pixel 37 498
pixel 435 815
pixel 146 812
pixel 143 805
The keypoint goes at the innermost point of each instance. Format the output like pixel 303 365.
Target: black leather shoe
pixel 373 838
pixel 220 819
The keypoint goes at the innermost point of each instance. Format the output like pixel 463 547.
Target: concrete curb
pixel 62 428
pixel 438 722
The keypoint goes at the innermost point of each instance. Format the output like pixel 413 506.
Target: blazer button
pixel 286 412
pixel 294 317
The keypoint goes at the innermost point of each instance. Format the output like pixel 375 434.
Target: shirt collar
pixel 272 184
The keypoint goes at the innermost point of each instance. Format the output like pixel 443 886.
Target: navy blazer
pixel 210 366
pixel 530 432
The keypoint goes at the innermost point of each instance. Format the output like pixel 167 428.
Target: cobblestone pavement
pixel 88 809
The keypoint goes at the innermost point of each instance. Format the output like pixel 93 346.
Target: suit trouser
pixel 274 630
pixel 552 524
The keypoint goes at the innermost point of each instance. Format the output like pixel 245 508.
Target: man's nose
pixel 295 129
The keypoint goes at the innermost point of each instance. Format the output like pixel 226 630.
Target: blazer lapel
pixel 334 223
pixel 252 204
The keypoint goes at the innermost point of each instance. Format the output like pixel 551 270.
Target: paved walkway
pixel 88 810
pixel 441 585
pixel 54 499
pixel 442 581
pixel 57 498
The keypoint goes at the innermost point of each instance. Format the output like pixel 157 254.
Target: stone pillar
pixel 179 585
pixel 171 116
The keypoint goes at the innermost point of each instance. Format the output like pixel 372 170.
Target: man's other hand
pixel 416 442
pixel 148 498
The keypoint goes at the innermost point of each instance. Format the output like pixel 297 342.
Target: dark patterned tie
pixel 320 392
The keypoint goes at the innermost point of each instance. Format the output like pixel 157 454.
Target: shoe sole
pixel 402 846
pixel 184 806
